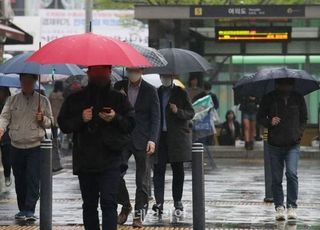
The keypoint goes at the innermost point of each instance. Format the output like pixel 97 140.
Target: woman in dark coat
pixel 175 141
pixel 230 130
pixel 5 142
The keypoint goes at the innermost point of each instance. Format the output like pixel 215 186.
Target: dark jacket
pixel 213 97
pixel 90 153
pixel 147 114
pixel 179 130
pixel 249 106
pixel 226 137
pixel 293 115
pixel 6 138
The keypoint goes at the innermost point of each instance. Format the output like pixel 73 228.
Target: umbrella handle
pixel 39 102
pixel 39 106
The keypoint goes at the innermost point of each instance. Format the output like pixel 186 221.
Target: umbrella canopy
pixel 181 61
pixel 155 58
pixel 263 82
pixel 89 50
pixel 154 79
pixel 19 65
pixel 10 81
pixel 13 81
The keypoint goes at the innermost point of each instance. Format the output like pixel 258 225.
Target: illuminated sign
pixel 263 34
pixel 248 11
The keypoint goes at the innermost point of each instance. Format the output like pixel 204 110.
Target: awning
pixel 13 35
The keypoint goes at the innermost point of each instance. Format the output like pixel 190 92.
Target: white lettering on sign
pixel 119 24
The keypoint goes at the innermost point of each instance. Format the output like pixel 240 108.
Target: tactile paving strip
pixel 214 203
pixel 16 227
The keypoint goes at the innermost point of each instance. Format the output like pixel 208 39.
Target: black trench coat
pixel 179 126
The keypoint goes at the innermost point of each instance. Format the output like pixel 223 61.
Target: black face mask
pixel 99 82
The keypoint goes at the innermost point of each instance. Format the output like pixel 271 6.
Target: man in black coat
pixel 144 98
pixel 175 141
pixel 100 119
pixel 284 113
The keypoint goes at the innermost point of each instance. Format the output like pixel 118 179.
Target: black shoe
pixel 57 169
pixel 158 209
pixel 268 200
pixel 123 216
pixel 178 205
pixel 247 145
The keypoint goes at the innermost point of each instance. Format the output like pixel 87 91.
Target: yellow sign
pixel 198 11
pixel 259 34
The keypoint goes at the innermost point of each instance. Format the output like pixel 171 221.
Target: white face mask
pixel 134 77
pixel 166 82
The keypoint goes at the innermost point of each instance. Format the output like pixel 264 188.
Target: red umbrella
pixel 89 50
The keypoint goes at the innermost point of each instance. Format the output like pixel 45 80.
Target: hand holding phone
pixel 107 114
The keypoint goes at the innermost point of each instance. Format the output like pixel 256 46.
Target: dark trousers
pixel 160 171
pixel 284 157
pixel 104 186
pixel 142 195
pixel 267 171
pixel 26 171
pixel 6 159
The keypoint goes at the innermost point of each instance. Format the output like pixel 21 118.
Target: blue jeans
pixel 105 186
pixel 285 157
pixel 26 171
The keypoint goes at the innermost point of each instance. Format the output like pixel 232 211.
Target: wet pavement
pixel 234 194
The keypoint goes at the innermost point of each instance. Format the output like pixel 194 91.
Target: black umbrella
pixel 181 61
pixel 263 82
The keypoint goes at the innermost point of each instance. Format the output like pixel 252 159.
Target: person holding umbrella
pixel 283 111
pixel 101 120
pixel 27 114
pixel 144 98
pixel 175 141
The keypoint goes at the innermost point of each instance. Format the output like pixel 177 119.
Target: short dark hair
pixel 191 78
pixel 33 76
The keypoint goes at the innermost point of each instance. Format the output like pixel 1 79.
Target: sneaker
pixel 30 216
pixel 158 209
pixel 280 216
pixel 292 214
pixel 20 216
pixel 8 181
pixel 178 206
